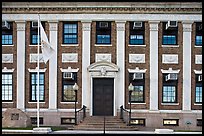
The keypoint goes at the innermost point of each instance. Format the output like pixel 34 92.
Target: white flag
pixel 47 50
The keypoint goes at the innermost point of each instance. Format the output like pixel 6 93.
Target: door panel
pixel 103 96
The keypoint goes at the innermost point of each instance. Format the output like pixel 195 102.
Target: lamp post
pixel 75 88
pixel 130 89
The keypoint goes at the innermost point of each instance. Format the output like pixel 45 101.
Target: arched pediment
pixel 103 66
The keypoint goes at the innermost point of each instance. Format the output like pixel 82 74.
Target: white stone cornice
pixel 5 69
pixel 170 70
pixel 69 69
pixel 198 71
pixel 137 70
pixel 36 70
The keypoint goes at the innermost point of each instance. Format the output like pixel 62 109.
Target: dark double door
pixel 103 96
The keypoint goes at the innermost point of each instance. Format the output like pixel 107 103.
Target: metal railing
pixel 124 114
pixel 81 114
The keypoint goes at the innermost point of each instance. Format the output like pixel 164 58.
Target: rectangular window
pixel 139 122
pixel 199 122
pixel 67 121
pixel 103 32
pixel 170 122
pixel 34 33
pixel 7 33
pixel 7 87
pixel 68 94
pixel 33 85
pixel 198 37
pixel 138 94
pixel 169 90
pixel 169 35
pixel 34 120
pixel 70 32
pixel 137 33
pixel 198 89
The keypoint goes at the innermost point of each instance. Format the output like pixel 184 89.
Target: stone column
pixel 86 42
pixel 154 65
pixel 187 28
pixel 120 81
pixel 20 65
pixel 53 25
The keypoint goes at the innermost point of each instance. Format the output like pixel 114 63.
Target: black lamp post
pixel 75 88
pixel 130 89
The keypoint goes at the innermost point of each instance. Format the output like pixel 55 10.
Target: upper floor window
pixel 169 92
pixel 34 89
pixel 7 33
pixel 138 81
pixel 198 37
pixel 103 32
pixel 70 33
pixel 170 33
pixel 137 33
pixel 68 79
pixel 7 87
pixel 34 33
pixel 198 89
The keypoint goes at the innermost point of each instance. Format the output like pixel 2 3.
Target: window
pixel 169 92
pixel 198 37
pixel 33 84
pixel 199 122
pixel 137 95
pixel 7 33
pixel 34 33
pixel 7 87
pixel 34 120
pixel 169 35
pixel 103 32
pixel 198 89
pixel 70 33
pixel 137 33
pixel 67 121
pixel 140 122
pixel 170 122
pixel 68 94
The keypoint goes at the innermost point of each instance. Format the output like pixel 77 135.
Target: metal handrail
pixel 124 114
pixel 81 114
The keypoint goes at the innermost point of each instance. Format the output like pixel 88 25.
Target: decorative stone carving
pixel 153 25
pixel 170 70
pixel 103 57
pixel 86 26
pixel 53 26
pixel 7 70
pixel 198 59
pixel 170 58
pixel 136 58
pixel 34 58
pixel 69 57
pixel 103 71
pixel 137 70
pixel 69 69
pixel 7 58
pixel 120 25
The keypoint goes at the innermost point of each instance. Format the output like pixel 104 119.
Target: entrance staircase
pixel 113 123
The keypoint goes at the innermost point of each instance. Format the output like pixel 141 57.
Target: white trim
pixel 7 45
pixel 137 70
pixel 7 70
pixel 170 45
pixel 103 45
pixel 67 45
pixel 197 103
pixel 169 103
pixel 196 46
pixel 36 70
pixel 34 45
pixel 198 71
pixel 69 69
pixel 170 70
pixel 135 45
pixel 7 102
pixel 136 103
pixel 69 102
pixel 35 102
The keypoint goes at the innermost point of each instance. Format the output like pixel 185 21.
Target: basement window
pixel 67 121
pixel 170 122
pixel 199 122
pixel 140 122
pixel 34 120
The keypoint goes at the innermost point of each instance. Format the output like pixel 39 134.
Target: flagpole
pixel 38 74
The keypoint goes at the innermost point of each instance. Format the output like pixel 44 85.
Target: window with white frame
pixel 7 33
pixel 198 88
pixel 70 33
pixel 103 32
pixel 7 87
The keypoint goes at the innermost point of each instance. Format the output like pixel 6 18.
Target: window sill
pixel 69 102
pixel 35 102
pixel 137 45
pixel 134 103
pixel 69 45
pixel 7 45
pixel 197 103
pixel 169 103
pixel 198 46
pixel 103 44
pixel 7 102
pixel 170 45
pixel 34 45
